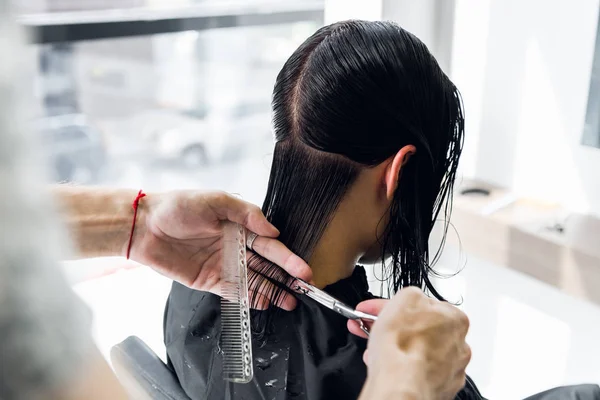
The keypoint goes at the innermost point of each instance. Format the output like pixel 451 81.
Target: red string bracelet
pixel 135 205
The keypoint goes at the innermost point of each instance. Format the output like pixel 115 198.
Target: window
pixel 591 131
pixel 249 109
pixel 171 97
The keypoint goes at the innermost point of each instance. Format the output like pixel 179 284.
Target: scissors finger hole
pixel 363 327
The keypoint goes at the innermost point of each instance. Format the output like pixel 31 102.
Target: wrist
pixel 402 377
pixel 136 226
pixel 391 389
pixel 99 219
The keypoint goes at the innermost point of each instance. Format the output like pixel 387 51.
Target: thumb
pixel 373 306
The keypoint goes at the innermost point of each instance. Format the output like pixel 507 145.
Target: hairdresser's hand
pixel 180 235
pixel 417 348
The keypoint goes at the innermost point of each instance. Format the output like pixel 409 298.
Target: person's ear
pixel 394 169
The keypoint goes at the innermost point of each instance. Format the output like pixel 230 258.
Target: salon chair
pixel 143 374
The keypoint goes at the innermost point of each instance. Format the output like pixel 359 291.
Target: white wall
pixel 524 68
pixel 340 10
pixel 430 20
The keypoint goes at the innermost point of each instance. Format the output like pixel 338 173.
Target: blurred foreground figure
pixel 46 349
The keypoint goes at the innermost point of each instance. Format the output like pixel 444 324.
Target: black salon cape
pixel 310 355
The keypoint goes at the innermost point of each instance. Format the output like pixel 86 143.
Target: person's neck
pixel 336 254
pixel 350 233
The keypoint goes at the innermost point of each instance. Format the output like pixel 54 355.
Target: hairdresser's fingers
pixel 284 300
pixel 288 302
pixel 460 378
pixel 465 356
pixel 276 252
pixel 354 328
pixel 373 306
pixel 408 298
pixel 258 301
pixel 228 207
pixel 266 289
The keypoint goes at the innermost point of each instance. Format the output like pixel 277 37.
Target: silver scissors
pixel 334 304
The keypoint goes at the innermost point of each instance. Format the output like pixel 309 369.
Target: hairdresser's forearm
pixel 99 220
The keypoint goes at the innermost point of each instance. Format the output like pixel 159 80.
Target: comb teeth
pixel 236 339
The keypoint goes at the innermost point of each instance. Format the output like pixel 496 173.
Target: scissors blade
pixel 331 302
pixel 315 293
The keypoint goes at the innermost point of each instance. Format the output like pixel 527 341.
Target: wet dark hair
pixel 349 98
